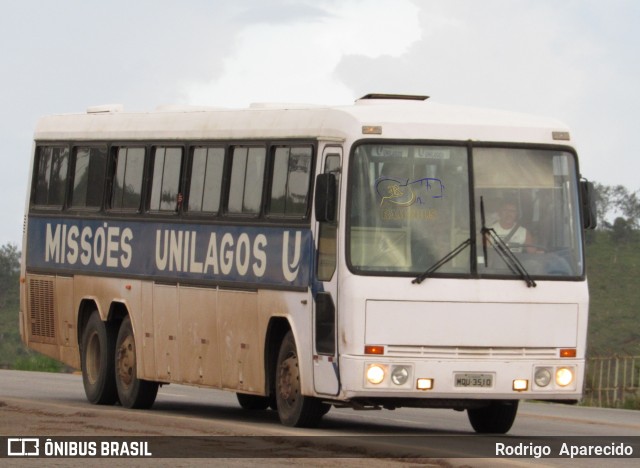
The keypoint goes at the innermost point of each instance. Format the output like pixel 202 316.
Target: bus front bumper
pixel 384 377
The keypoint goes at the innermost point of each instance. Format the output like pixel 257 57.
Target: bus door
pixel 326 376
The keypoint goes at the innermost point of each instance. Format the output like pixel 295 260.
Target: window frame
pixel 39 146
pixel 476 244
pixel 75 146
pixel 114 148
pixel 310 180
pixel 148 178
pixel 188 176
pixel 188 147
pixel 229 173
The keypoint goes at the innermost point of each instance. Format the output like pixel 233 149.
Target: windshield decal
pixel 402 192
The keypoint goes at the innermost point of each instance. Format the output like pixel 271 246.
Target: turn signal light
pixel 374 350
pixel 567 353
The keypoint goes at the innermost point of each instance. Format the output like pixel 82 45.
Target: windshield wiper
pixel 441 262
pixel 509 258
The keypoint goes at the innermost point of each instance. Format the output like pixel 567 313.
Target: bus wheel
pixel 294 409
pixel 253 402
pixel 132 391
pixel 98 344
pixel 497 418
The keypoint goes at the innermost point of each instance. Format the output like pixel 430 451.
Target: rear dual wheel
pixel 132 391
pixel 108 362
pixel 98 349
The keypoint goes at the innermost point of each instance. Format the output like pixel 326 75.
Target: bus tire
pixel 497 418
pixel 132 391
pixel 253 402
pixel 294 409
pixel 98 349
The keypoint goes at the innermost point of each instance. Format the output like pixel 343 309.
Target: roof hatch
pixel 105 109
pixel 402 97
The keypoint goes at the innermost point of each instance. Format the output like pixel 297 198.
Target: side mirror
pixel 588 205
pixel 325 199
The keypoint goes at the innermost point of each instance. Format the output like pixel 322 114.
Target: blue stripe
pixel 277 256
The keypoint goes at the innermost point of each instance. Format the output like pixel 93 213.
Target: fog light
pixel 375 374
pixel 564 376
pixel 400 375
pixel 520 385
pixel 542 376
pixel 425 384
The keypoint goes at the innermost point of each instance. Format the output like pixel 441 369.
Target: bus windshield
pixel 410 208
pixel 530 200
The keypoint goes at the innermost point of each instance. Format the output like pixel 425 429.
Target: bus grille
pixel 42 311
pixel 460 352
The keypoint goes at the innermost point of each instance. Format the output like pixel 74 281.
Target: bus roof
pixel 395 117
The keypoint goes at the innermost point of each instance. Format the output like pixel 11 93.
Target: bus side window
pixel 165 184
pixel 51 176
pixel 290 181
pixel 247 180
pixel 89 177
pixel 126 192
pixel 206 180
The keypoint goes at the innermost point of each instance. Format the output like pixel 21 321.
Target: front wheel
pixel 294 409
pixel 132 391
pixel 496 418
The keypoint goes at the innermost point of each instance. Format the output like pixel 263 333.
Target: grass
pixel 39 363
pixel 613 271
pixel 13 353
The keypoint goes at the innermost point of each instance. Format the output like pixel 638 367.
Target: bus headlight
pixel 400 375
pixel 542 377
pixel 375 374
pixel 564 376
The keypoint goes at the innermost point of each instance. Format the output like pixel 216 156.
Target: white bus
pixel 391 253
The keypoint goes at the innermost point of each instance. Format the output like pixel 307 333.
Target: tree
pixel 628 203
pixel 604 203
pixel 621 231
pixel 617 201
pixel 9 273
pixel 9 260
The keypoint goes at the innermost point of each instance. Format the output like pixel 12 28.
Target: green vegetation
pixel 37 362
pixel 613 269
pixel 13 354
pixel 10 346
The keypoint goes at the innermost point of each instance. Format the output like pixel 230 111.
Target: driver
pixel 517 237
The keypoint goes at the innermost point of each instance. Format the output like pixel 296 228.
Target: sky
pixel 575 60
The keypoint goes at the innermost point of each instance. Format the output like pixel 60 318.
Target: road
pixel 44 404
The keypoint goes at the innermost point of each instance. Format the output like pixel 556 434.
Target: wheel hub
pixel 126 360
pixel 289 380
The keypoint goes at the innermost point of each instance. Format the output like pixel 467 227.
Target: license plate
pixel 473 380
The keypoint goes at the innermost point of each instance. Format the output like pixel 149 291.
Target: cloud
pixel 573 60
pixel 490 53
pixel 296 61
